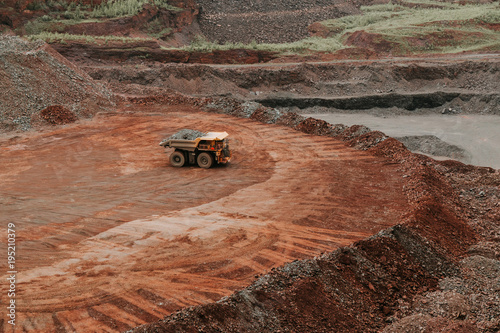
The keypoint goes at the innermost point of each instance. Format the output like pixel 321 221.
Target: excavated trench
pixel 471 84
pixel 408 101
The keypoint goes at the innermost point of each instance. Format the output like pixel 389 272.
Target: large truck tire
pixel 205 160
pixel 177 159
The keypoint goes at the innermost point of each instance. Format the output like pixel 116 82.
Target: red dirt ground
pixel 117 237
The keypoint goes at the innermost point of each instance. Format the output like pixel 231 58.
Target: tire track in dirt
pixel 142 239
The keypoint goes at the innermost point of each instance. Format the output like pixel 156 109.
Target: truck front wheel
pixel 205 160
pixel 177 159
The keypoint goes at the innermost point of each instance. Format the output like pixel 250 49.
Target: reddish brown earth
pixel 58 115
pixel 109 236
pixel 115 237
pixel 436 269
pixel 116 52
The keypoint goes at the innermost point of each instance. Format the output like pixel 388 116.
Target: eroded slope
pixel 33 76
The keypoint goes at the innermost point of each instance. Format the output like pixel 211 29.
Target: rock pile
pixel 33 77
pixel 267 21
pixel 186 134
pixel 58 115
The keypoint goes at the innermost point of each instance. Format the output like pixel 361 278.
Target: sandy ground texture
pixel 110 236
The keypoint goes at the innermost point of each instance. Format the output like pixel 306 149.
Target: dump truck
pixel 205 150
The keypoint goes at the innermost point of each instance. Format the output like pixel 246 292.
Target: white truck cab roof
pixel 214 136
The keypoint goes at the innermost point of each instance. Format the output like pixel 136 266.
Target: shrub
pixel 492 16
pixel 36 5
pixel 46 18
pixel 34 27
pixel 119 8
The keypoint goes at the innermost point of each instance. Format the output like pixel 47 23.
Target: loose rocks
pixel 33 77
pixel 186 134
pixel 58 115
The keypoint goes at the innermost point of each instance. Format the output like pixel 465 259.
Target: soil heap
pixel 266 21
pixel 58 115
pixel 33 77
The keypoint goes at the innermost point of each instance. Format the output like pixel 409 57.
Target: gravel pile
pixel 33 77
pixel 267 21
pixel 186 134
pixel 432 145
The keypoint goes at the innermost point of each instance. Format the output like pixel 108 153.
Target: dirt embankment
pixel 266 21
pixel 33 77
pixel 467 85
pixel 177 21
pixel 150 51
pixel 426 272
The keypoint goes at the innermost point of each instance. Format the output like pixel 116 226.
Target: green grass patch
pixel 55 37
pixel 404 25
pixel 119 8
pixel 448 28
pixel 51 24
pixel 303 46
pixel 156 29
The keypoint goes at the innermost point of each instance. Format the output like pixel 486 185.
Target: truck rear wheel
pixel 177 159
pixel 205 160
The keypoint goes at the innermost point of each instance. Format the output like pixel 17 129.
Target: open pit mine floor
pixel 110 236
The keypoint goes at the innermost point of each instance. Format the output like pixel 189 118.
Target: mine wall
pixel 267 21
pixel 467 86
pixel 370 285
pixel 407 101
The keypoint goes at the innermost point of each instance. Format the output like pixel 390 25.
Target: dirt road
pixel 110 236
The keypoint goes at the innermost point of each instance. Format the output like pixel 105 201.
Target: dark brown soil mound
pixel 58 115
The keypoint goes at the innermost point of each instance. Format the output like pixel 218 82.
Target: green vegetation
pixel 50 24
pixel 399 24
pixel 200 44
pixel 379 18
pixel 107 9
pixel 433 27
pixel 156 29
pixel 450 28
pixel 120 8
pixel 41 24
pixel 61 14
pixel 37 5
pixel 52 37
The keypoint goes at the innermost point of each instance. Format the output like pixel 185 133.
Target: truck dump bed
pixel 192 144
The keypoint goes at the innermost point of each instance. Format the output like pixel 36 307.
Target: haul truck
pixel 206 150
